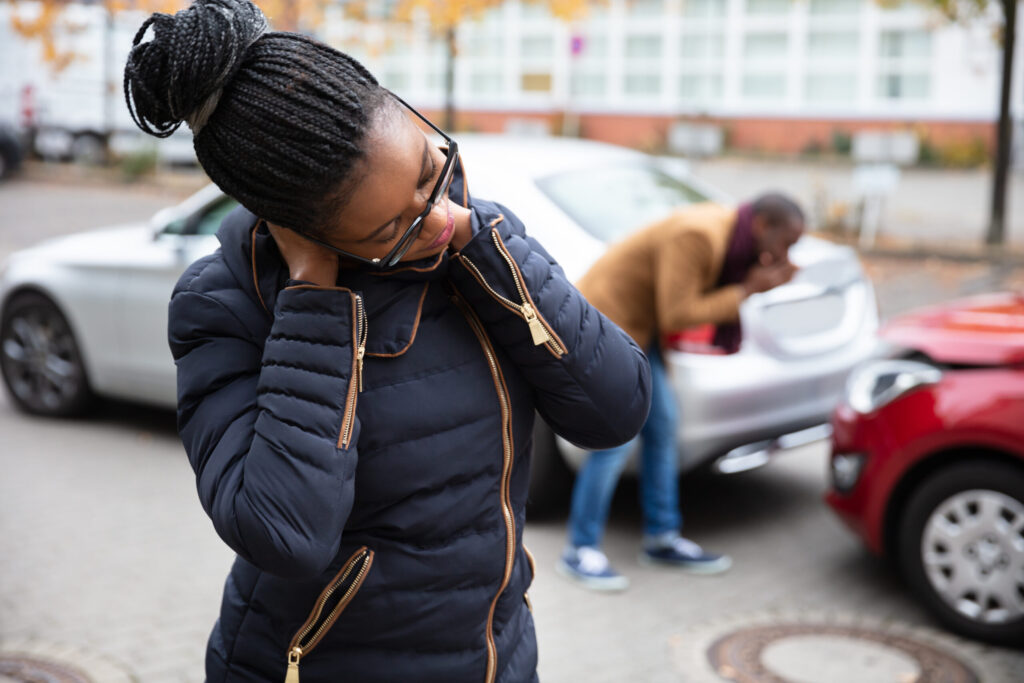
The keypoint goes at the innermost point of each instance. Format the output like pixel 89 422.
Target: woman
pixel 359 366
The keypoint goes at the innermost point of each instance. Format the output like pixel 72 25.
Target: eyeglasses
pixel 407 239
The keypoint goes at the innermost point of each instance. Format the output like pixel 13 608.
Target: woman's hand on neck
pixel 307 261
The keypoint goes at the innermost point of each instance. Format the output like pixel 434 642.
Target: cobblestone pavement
pixel 106 558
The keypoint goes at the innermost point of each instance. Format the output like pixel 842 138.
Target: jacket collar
pixel 393 307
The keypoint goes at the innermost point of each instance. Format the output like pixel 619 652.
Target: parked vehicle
pixel 928 461
pixel 11 152
pixel 87 313
pixel 78 112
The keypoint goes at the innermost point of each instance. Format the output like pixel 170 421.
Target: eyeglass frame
pixel 407 239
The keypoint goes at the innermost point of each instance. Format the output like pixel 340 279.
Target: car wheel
pixel 88 149
pixel 962 549
pixel 550 477
pixel 40 360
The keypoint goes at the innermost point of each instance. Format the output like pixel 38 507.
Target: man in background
pixel 694 267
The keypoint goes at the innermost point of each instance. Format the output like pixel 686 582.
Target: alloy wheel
pixel 40 360
pixel 972 551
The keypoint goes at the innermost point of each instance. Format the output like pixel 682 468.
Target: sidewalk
pixel 939 207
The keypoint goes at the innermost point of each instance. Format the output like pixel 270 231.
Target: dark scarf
pixel 740 257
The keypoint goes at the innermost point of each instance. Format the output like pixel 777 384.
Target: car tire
pixel 89 149
pixel 961 548
pixel 550 478
pixel 40 359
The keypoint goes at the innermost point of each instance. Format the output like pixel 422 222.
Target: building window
pixel 833 44
pixel 831 88
pixel 480 44
pixel 768 7
pixel 703 47
pixel 905 45
pixel 835 7
pixel 765 45
pixel 645 8
pixel 704 9
pixel 537 47
pixel 535 82
pixel 700 88
pixel 592 47
pixel 642 84
pixel 902 86
pixel 395 80
pixel 588 85
pixel 486 83
pixel 764 86
pixel 646 46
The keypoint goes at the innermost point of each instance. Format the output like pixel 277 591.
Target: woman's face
pixel 394 182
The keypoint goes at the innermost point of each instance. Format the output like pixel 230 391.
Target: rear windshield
pixel 610 202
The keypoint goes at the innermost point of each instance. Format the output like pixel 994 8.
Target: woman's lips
pixel 449 228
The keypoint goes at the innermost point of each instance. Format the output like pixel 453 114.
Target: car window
pixel 609 202
pixel 209 221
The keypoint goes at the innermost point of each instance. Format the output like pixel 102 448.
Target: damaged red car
pixel 928 461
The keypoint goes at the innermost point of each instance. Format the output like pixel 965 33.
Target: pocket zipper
pixel 539 331
pixel 296 649
pixel 356 382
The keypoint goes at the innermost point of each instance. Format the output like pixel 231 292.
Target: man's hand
pixel 768 275
pixel 306 260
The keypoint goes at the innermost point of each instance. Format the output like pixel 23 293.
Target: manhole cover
pixel 24 669
pixel 26 660
pixel 809 646
pixel 804 653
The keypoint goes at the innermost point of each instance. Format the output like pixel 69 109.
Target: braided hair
pixel 278 119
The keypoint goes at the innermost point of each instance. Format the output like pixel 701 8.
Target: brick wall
pixel 771 135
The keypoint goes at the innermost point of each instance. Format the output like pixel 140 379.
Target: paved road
pixel 105 551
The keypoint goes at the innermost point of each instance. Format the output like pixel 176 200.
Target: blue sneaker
pixel 589 567
pixel 672 550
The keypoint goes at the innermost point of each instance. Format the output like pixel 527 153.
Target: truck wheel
pixel 961 547
pixel 88 149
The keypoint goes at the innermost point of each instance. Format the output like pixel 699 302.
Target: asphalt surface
pixel 108 561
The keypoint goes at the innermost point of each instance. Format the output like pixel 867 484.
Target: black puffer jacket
pixel 375 438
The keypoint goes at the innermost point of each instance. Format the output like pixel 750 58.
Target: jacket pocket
pixel 540 331
pixel 346 582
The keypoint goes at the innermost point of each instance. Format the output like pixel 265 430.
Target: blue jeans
pixel 595 483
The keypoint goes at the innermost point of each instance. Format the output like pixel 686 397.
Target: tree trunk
pixel 997 224
pixel 449 81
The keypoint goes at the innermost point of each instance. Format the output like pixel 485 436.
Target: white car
pixel 86 314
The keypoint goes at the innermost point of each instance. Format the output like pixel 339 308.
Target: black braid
pixel 288 127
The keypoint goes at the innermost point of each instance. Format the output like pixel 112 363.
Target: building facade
pixel 775 75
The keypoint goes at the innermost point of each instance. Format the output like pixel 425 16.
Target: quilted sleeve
pixel 271 433
pixel 592 382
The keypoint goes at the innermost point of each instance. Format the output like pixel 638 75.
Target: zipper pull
pixel 537 331
pixel 293 665
pixel 360 353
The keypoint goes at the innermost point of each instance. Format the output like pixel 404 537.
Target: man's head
pixel 778 222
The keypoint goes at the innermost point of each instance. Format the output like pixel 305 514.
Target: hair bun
pixel 179 74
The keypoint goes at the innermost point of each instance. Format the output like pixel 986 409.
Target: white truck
pixel 74 112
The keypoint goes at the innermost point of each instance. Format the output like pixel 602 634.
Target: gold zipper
pixel 355 384
pixel 296 649
pixel 506 472
pixel 539 330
